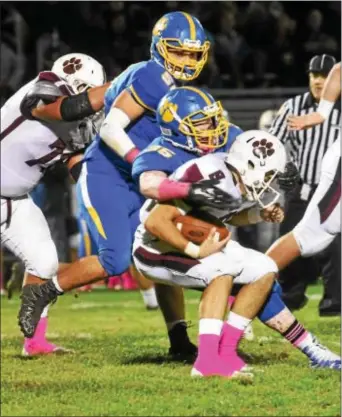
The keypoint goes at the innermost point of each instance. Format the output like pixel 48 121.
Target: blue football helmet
pixel 178 33
pixel 191 119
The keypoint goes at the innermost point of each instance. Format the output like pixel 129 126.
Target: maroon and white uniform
pixel 322 219
pixel 162 263
pixel 28 148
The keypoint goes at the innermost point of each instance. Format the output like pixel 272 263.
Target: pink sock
pixel 39 336
pixel 231 300
pixel 229 342
pixel 40 333
pixel 208 345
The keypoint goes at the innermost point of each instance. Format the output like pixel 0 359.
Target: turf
pixel 121 368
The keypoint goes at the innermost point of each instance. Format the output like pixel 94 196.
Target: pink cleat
pixel 114 283
pixel 38 345
pixel 128 282
pixel 42 347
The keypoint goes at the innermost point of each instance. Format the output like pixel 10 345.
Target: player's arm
pixel 331 92
pixel 124 110
pixel 254 215
pixel 70 108
pixel 160 224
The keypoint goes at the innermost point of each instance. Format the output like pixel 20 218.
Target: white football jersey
pixel 28 147
pixel 211 166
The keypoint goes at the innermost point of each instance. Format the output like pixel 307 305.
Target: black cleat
pixel 181 348
pixel 34 298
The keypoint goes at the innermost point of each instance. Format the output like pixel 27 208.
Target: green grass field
pixel 120 367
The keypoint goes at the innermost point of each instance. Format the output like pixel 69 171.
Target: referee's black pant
pixel 299 274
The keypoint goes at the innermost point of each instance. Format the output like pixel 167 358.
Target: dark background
pixel 254 44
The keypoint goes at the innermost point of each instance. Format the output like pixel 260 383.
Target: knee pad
pixel 265 265
pixel 114 263
pixel 273 305
pixel 45 262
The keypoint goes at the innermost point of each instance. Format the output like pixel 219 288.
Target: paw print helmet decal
pixel 80 71
pixel 257 157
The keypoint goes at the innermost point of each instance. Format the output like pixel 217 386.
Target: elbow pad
pixel 113 132
pixel 76 107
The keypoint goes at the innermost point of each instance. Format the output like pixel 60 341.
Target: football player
pixel 321 221
pixel 164 254
pixel 105 190
pixel 30 144
pixel 182 114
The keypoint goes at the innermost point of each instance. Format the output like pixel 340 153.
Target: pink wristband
pixel 169 190
pixel 131 155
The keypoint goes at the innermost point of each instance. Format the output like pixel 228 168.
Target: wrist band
pixel 254 215
pixel 192 250
pixel 131 155
pixel 324 108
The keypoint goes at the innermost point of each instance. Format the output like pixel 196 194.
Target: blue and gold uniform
pixel 108 197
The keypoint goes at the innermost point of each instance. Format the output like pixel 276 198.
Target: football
pixel 197 229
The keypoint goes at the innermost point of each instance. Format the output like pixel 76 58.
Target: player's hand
pixel 305 121
pixel 211 245
pixel 290 178
pixel 205 193
pixel 273 214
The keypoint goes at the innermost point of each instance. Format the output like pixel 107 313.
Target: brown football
pixel 196 230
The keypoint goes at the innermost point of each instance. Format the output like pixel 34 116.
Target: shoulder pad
pixel 49 76
pixel 58 81
pixel 45 91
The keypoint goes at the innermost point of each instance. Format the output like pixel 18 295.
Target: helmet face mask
pixel 258 157
pixel 179 44
pixel 215 134
pixel 183 71
pixel 190 118
pixel 80 71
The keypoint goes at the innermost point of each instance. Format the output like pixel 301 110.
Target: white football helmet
pixel 80 71
pixel 266 119
pixel 257 157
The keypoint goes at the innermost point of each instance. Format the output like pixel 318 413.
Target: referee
pixel 307 148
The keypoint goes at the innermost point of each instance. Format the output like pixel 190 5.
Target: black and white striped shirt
pixel 306 147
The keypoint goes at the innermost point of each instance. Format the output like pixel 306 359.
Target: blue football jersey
pixel 147 82
pixel 162 155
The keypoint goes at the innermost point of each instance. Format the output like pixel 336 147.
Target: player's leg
pixel 27 235
pixel 146 288
pixel 278 317
pixel 212 310
pixel 321 221
pixel 179 270
pixel 105 210
pixel 258 271
pixel 145 285
pixel 172 306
